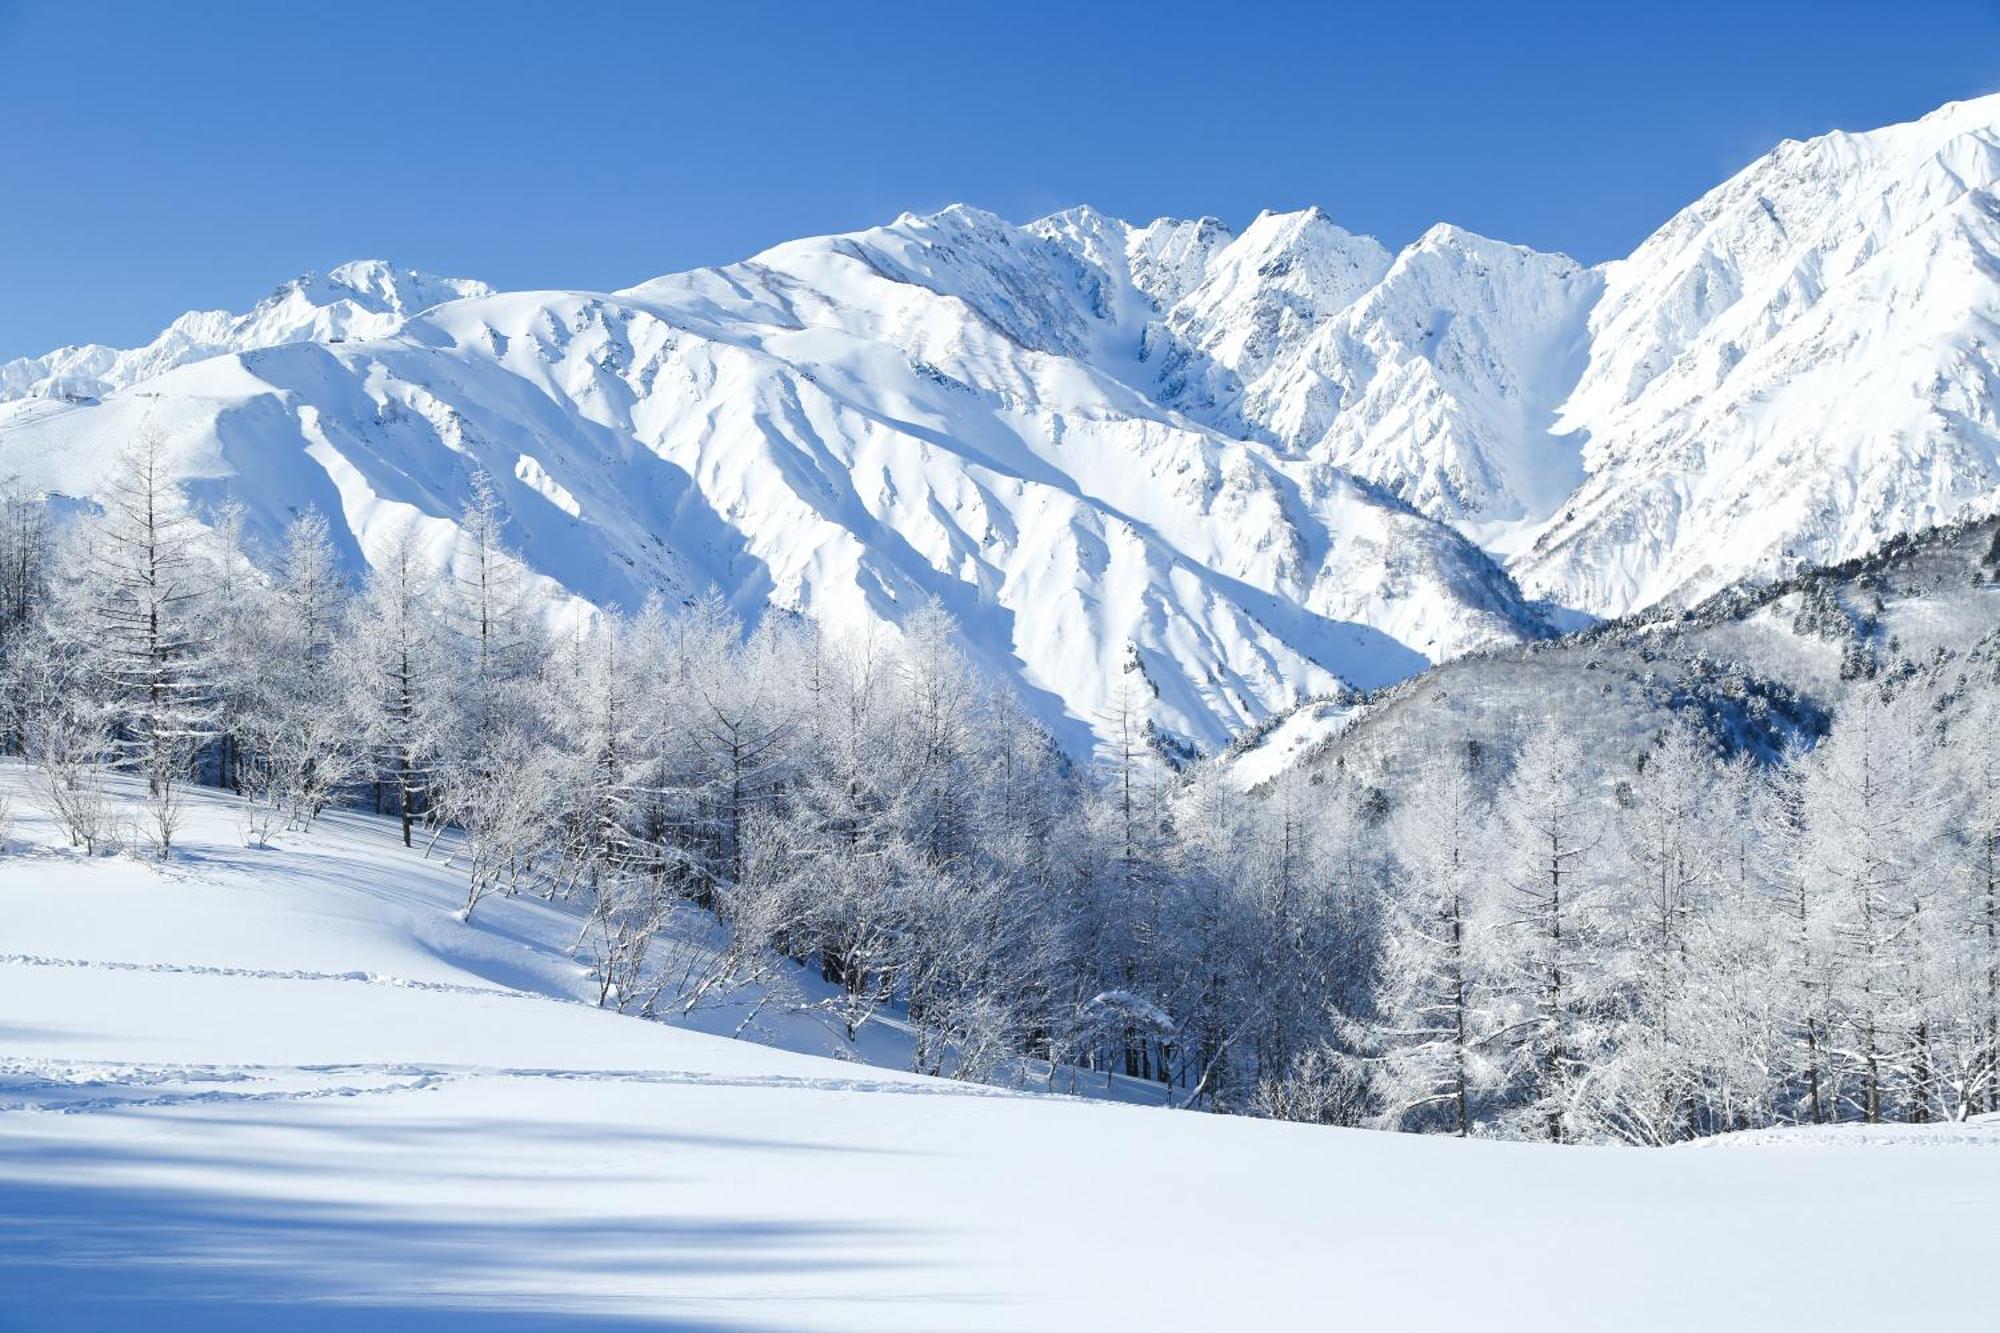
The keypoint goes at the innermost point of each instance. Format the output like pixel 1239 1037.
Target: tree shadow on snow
pixel 89 1254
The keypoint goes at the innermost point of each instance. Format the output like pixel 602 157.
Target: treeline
pixel 1513 937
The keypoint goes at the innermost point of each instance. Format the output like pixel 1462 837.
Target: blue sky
pixel 163 156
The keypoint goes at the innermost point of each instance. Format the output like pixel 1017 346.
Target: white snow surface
pixel 288 1088
pixel 1255 464
pixel 1288 741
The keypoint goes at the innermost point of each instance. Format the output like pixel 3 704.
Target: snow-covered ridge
pixel 363 299
pixel 1256 464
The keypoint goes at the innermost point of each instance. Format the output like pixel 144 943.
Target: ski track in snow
pixel 22 1079
pixel 270 974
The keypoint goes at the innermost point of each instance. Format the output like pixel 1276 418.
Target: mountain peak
pixel 955 216
pixel 1312 225
pixel 1452 237
pixel 1812 330
pixel 1967 113
pixel 379 286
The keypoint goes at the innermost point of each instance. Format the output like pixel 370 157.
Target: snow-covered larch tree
pixel 1437 1021
pixel 1871 840
pixel 398 674
pixel 149 580
pixel 1551 814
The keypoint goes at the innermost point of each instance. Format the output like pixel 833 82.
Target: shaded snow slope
pixel 1757 666
pixel 288 1088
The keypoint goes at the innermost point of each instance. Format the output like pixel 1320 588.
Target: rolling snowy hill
pixel 1251 467
pixel 364 299
pixel 288 1087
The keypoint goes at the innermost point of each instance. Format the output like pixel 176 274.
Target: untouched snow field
pixel 288 1089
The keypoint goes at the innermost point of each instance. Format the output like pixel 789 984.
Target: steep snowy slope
pixel 1442 383
pixel 287 1088
pixel 1435 373
pixel 845 427
pixel 1796 367
pixel 1262 295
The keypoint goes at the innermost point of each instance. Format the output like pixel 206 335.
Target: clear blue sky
pixel 167 155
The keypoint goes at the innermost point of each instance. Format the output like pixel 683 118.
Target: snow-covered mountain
pixel 1234 468
pixel 846 427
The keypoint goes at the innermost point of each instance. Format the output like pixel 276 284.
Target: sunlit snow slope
pixel 287 1088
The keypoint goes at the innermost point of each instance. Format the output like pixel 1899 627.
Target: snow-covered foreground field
pixel 287 1089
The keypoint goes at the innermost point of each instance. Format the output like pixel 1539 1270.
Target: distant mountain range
pixel 1233 469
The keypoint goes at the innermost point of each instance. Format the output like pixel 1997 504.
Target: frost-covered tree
pixel 731 707
pixel 299 732
pixel 1466 933
pixel 1749 997
pixel 237 614
pixel 1127 812
pixel 848 832
pixel 1871 842
pixel 24 556
pixel 1977 764
pixel 26 542
pixel 485 604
